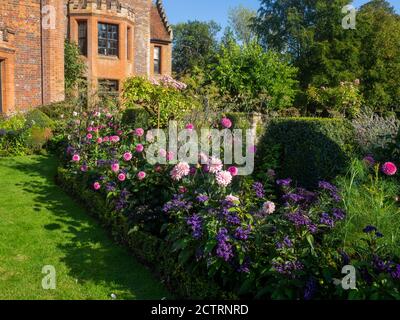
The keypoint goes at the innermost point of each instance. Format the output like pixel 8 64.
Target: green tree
pixel 252 79
pixel 74 67
pixel 195 44
pixel 240 20
pixel 379 31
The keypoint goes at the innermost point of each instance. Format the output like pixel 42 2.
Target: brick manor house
pixel 117 38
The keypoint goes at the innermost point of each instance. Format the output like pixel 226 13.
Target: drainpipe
pixel 41 52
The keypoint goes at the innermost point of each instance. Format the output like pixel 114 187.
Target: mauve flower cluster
pixel 224 248
pixel 287 267
pixel 177 203
pixel 258 188
pixel 195 223
pixel 334 192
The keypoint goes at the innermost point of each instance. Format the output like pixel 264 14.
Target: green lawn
pixel 40 225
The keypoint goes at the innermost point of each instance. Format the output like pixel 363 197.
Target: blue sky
pixel 204 10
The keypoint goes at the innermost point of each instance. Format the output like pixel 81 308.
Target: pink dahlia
pixel 139 132
pixel 141 175
pixel 96 186
pixel 389 168
pixel 189 126
pixel 89 136
pixel 215 165
pixel 76 158
pixel 121 177
pixel 127 156
pixel 203 158
pixel 268 207
pixel 223 178
pixel 234 171
pixel 182 169
pixel 226 123
pixel 139 148
pixel 232 199
pixel 115 167
pixel 90 129
pixel 106 139
pixel 170 156
pixel 99 140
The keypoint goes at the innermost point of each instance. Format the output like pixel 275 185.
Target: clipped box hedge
pixel 311 149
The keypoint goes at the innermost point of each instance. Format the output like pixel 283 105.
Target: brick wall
pixel 24 17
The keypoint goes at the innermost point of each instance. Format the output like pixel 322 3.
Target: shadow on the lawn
pixel 89 254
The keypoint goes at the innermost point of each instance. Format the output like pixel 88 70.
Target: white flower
pixel 215 164
pixel 269 207
pixel 75 114
pixel 223 178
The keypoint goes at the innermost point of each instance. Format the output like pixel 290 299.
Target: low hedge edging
pixel 147 248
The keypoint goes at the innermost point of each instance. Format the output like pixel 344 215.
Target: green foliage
pixel 252 79
pixel 310 32
pixel 379 29
pixel 312 149
pixel 136 118
pixel 23 134
pixel 369 199
pixel 344 100
pixel 240 21
pixel 161 101
pixel 74 66
pixel 194 45
pixel 39 119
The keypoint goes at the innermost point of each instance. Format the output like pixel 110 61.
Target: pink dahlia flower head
pixel 268 207
pixel 232 199
pixel 76 158
pixel 96 186
pixel 114 139
pixel 215 165
pixel 170 156
pixel 141 175
pixel 139 132
pixel 115 167
pixel 89 136
pixel 139 148
pixel 223 178
pixel 99 140
pixel 389 168
pixel 181 170
pixel 226 123
pixel 127 156
pixel 122 177
pixel 190 126
pixel 234 171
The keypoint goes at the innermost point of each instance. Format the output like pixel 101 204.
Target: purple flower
pixel 338 214
pixel 327 220
pixel 202 198
pixel 177 204
pixel 287 267
pixel 286 243
pixel 284 182
pixel 242 233
pixel 195 222
pixel 224 248
pixel 258 188
pixel 310 289
pixel 298 219
pixel 370 229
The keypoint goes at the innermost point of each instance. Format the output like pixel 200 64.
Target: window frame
pixel 83 51
pixel 157 48
pixel 108 39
